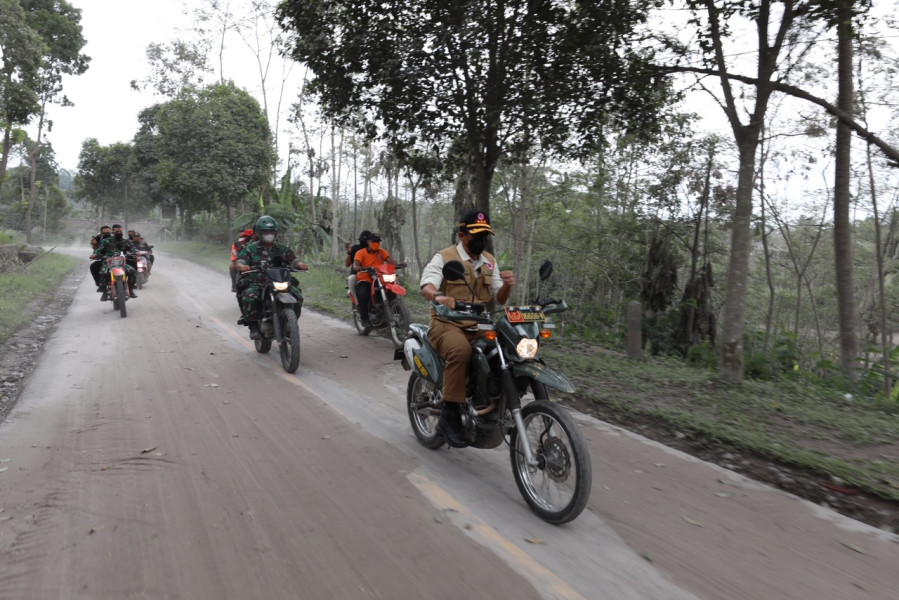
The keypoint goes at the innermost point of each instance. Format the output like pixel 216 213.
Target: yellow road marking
pixel 533 570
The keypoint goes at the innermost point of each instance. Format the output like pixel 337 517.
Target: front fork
pixel 276 318
pixel 515 407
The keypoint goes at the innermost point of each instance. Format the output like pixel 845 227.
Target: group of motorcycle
pixel 117 286
pixel 549 456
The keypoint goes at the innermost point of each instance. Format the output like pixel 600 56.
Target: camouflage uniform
pixel 249 288
pixel 111 247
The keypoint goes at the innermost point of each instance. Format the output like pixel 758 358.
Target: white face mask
pixel 268 238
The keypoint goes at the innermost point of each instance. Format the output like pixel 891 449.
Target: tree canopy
pixel 213 147
pixel 477 79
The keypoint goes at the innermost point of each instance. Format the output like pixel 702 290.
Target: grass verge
pixel 24 292
pixel 855 440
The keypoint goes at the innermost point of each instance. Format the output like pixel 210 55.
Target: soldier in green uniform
pixel 112 246
pixel 256 255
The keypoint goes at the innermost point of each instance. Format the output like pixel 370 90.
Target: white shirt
pixel 433 271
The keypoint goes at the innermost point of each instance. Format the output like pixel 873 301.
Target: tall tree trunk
pixel 32 158
pixel 842 230
pixel 738 269
pixel 5 150
pixel 413 188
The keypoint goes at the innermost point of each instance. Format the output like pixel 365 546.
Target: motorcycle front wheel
pixel 398 319
pixel 290 344
pixel 357 320
pixel 120 294
pixel 558 487
pixel 421 403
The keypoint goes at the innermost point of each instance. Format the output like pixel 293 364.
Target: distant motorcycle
pixel 281 306
pixel 117 283
pixel 143 267
pixel 550 460
pixel 387 309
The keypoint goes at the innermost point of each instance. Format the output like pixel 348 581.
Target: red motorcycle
pixel 117 284
pixel 388 309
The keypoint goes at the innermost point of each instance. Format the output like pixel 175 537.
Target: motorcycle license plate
pixel 524 314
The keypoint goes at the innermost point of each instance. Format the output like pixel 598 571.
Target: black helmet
pixel 364 236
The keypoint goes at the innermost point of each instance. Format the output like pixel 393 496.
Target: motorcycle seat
pixel 420 331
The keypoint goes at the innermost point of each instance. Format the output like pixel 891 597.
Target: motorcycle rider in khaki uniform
pixel 452 339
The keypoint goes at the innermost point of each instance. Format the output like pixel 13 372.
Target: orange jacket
pixel 370 259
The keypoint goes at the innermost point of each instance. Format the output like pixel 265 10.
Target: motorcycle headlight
pixel 281 286
pixel 527 348
pixel 389 278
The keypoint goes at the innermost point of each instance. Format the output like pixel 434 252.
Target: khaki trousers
pixel 454 345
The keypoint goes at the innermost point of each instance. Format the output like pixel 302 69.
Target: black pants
pixel 363 298
pixel 95 272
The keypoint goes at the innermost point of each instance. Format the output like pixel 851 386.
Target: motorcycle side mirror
pixel 453 271
pixel 546 270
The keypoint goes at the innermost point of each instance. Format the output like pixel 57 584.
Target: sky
pixel 105 106
pixel 117 34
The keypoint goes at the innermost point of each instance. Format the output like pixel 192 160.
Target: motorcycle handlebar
pixel 263 268
pixel 473 307
pixel 372 270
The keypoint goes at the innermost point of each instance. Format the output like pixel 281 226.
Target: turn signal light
pixel 490 335
pixel 546 334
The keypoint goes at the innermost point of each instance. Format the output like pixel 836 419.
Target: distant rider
pixel 367 258
pixel 452 339
pixel 105 232
pixel 141 245
pixel 259 255
pixel 112 246
pixel 246 236
pixel 351 255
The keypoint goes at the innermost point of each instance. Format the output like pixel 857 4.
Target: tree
pixel 59 25
pixel 145 178
pixel 105 177
pixel 842 230
pixel 175 65
pixel 469 76
pixel 778 40
pixel 214 147
pixel 21 48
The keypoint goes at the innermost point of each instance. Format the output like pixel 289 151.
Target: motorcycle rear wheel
pixel 398 319
pixel 423 414
pixel 289 346
pixel 262 346
pixel 120 294
pixel 559 487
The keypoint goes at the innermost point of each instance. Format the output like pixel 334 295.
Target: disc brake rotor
pixel 558 461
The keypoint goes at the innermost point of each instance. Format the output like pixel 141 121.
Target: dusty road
pixel 160 456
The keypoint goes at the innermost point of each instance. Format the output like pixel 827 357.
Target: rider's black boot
pixel 450 425
pixel 254 331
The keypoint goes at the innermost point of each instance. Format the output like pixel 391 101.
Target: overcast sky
pixel 105 106
pixel 117 34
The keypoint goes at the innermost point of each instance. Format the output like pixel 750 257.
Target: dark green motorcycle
pixel 550 460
